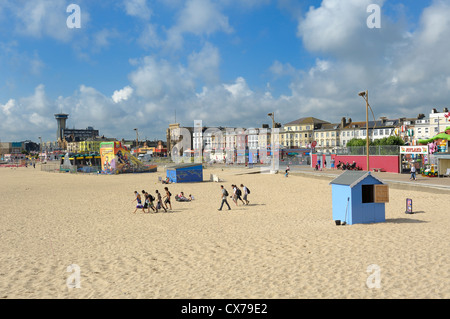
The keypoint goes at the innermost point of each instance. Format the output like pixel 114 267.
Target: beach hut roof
pixel 352 178
pixel 177 166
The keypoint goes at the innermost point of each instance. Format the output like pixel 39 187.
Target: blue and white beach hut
pixel 358 197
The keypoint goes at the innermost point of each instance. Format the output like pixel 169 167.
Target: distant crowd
pixel 147 202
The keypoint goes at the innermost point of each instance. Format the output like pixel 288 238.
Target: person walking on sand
pixel 167 198
pixel 139 203
pixel 237 195
pixel 149 200
pixel 159 204
pixel 413 172
pixel 224 198
pixel 246 192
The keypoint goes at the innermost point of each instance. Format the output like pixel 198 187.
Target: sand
pixel 283 245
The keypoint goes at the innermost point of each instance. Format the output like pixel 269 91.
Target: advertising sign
pixel 409 206
pixel 421 149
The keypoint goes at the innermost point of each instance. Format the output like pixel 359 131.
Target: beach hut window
pixel 367 194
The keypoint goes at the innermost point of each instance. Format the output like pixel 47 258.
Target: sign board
pixel 420 149
pixel 381 193
pixel 409 206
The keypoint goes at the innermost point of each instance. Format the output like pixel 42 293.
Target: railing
pixel 52 167
pixel 373 150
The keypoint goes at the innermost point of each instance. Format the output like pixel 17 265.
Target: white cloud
pixel 149 37
pixel 122 95
pixel 41 18
pixel 404 70
pixel 8 107
pixel 238 89
pixel 205 64
pixel 138 8
pixel 159 79
pixel 198 17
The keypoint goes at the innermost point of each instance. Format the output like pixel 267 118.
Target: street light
pixel 272 115
pixel 137 138
pixel 365 96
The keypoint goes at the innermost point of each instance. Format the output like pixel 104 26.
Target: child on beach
pixel 167 198
pixel 139 203
pixel 149 202
pixel 159 204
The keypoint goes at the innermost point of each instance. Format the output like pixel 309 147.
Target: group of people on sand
pixel 236 196
pixel 181 198
pixel 148 202
pixel 162 202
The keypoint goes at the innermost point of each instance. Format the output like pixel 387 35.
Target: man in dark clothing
pixel 224 197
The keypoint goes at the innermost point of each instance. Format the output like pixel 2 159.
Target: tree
pixel 356 142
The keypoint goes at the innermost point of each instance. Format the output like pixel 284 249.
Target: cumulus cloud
pixel 42 18
pixel 205 64
pixel 403 67
pixel 198 17
pixel 138 8
pixel 122 95
pixel 156 79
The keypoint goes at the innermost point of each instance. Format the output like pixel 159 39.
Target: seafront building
pixel 300 133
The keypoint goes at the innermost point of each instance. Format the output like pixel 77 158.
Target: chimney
pixel 349 120
pixel 420 116
pixel 383 119
pixel 445 110
pixel 343 122
pixel 434 111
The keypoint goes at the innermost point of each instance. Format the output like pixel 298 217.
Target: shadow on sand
pixel 405 221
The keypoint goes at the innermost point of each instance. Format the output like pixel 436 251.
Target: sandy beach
pixel 283 245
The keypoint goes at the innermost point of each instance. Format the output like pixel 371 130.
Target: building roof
pixel 352 178
pixel 184 165
pixel 329 127
pixel 307 120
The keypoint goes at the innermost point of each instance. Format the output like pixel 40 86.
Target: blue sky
pixel 226 62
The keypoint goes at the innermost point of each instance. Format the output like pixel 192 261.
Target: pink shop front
pixel 384 163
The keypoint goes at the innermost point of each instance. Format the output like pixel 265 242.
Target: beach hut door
pixel 369 214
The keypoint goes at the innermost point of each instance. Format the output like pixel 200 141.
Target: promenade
pixel 398 181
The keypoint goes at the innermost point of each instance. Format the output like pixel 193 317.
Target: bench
pixel 377 169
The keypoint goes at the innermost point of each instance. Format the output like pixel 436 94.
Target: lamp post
pixel 272 115
pixel 137 138
pixel 365 96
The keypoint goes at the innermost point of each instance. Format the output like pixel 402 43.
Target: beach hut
pixel 358 197
pixel 187 173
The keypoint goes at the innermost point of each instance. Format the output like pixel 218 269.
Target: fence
pixel 56 167
pixel 51 167
pixel 373 150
